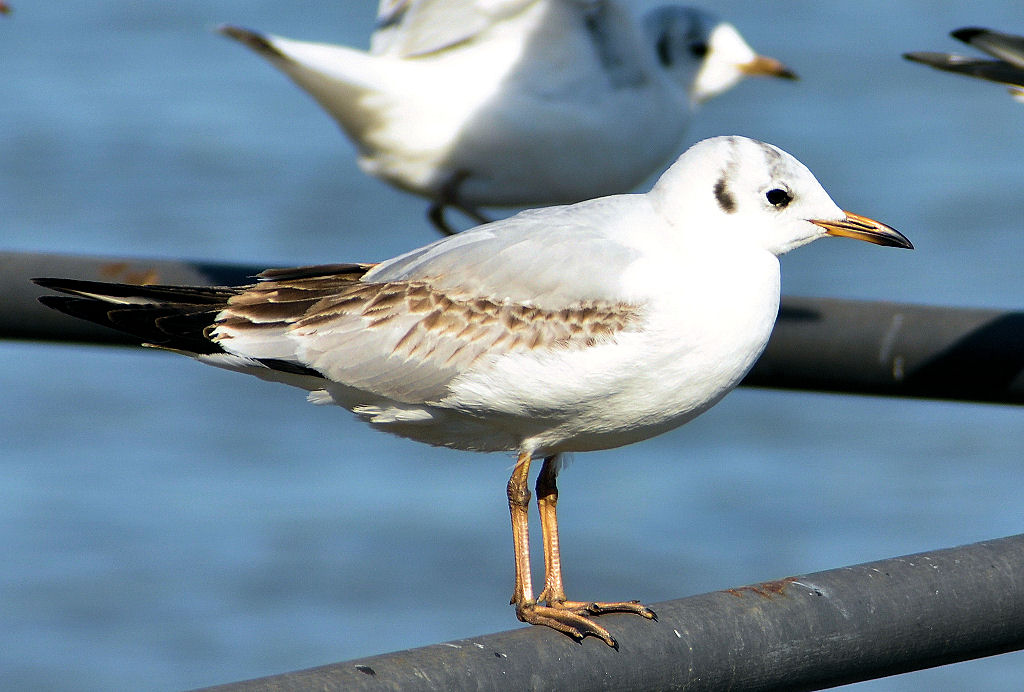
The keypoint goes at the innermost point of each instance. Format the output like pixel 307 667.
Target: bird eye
pixel 778 198
pixel 699 50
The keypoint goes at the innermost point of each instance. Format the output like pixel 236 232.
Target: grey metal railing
pixel 800 633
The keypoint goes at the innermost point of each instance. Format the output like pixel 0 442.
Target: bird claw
pixel 570 617
pixel 565 621
pixel 600 608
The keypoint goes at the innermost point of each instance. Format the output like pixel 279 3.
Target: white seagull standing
pixel 479 103
pixel 557 330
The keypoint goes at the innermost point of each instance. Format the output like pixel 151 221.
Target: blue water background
pixel 165 525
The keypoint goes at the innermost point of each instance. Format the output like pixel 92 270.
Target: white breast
pixel 699 338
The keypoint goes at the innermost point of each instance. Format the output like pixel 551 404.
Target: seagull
pixel 513 103
pixel 1007 69
pixel 562 329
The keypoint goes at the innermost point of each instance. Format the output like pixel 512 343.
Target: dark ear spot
pixel 725 199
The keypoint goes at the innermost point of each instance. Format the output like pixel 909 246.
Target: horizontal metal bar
pixel 800 633
pixel 819 344
pixel 895 349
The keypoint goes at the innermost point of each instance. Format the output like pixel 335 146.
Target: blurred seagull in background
pixel 510 103
pixel 564 329
pixel 1008 48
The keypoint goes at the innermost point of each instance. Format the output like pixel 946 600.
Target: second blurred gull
pixel 507 103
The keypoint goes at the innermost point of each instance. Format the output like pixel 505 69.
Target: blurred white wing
pixel 411 28
pixel 407 28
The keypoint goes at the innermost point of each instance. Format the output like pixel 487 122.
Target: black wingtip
pixel 48 282
pixel 81 287
pixel 968 33
pixel 922 57
pixel 138 294
pixel 75 287
pixel 168 316
pixel 93 311
pixel 58 303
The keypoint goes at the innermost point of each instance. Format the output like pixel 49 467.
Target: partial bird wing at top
pixel 413 28
pixel 407 28
pixel 1008 47
pixel 1008 69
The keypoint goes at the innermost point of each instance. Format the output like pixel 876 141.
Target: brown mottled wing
pixel 404 340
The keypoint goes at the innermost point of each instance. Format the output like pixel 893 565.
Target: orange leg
pixel 518 503
pixel 569 617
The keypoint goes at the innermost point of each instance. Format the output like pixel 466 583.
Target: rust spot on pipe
pixel 766 589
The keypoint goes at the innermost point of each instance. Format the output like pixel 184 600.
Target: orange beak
pixel 862 228
pixel 763 66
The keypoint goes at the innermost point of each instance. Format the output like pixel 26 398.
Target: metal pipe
pixel 821 344
pixel 799 633
pixel 894 349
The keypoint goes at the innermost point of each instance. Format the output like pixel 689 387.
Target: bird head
pixel 702 53
pixel 741 190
